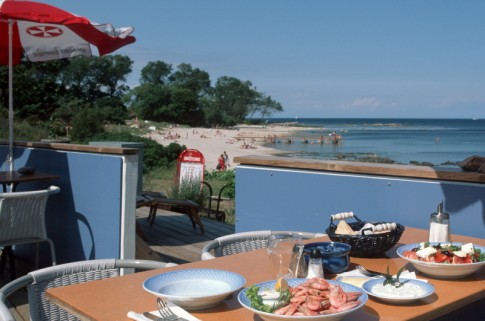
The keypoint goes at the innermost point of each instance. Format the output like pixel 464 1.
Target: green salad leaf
pixel 394 281
pixel 257 300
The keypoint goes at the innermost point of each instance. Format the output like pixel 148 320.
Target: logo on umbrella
pixel 44 31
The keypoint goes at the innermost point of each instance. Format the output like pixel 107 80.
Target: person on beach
pixel 226 159
pixel 220 163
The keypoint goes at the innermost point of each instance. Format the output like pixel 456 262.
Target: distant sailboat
pixel 475 118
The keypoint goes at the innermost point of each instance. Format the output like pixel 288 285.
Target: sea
pixel 432 142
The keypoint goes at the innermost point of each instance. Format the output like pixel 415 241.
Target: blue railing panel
pixel 286 199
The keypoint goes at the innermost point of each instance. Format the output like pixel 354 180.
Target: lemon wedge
pixel 281 285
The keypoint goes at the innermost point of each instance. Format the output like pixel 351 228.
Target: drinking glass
pixel 281 249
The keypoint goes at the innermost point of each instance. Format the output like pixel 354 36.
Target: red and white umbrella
pixel 44 32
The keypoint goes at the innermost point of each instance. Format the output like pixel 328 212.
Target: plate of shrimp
pixel 315 299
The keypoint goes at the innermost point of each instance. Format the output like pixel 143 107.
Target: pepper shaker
pixel 439 226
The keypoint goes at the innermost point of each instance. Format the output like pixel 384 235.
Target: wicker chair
pixel 22 221
pixel 37 282
pixel 244 242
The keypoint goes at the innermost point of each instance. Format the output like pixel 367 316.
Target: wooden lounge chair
pixel 156 200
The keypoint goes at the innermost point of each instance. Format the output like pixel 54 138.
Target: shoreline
pixel 241 140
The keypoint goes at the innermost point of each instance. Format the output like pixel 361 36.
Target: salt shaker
pixel 439 226
pixel 315 268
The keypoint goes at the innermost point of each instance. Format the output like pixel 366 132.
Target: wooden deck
pixel 171 238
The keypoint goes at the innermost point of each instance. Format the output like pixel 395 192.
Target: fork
pixel 166 313
pixel 366 272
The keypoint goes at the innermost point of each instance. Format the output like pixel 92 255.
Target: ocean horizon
pixel 425 141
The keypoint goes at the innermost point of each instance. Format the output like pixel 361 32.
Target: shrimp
pixel 319 284
pixel 322 294
pixel 298 299
pixel 337 296
pixel 282 310
pixel 348 306
pixel 353 296
pixel 307 311
pixel 313 302
pixel 318 296
pixel 293 308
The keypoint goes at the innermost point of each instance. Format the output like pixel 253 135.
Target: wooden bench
pixel 156 200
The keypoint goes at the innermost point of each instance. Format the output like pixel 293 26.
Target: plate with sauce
pixel 410 291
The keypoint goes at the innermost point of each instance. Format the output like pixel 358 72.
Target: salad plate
pixel 412 290
pixel 246 302
pixel 194 289
pixel 442 270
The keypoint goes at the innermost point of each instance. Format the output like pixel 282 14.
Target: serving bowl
pixel 246 303
pixel 335 255
pixel 194 289
pixel 442 270
pixel 401 298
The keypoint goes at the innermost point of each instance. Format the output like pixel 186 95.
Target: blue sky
pixel 318 58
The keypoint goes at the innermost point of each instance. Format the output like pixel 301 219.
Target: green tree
pixel 60 123
pixel 92 78
pixel 265 106
pixel 155 73
pixel 112 109
pixel 86 124
pixel 35 90
pixel 169 97
pixel 146 101
pixel 232 100
pixel 193 79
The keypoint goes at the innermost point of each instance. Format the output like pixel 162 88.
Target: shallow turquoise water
pixel 436 141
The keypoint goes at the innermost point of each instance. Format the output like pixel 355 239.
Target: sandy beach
pixel 238 141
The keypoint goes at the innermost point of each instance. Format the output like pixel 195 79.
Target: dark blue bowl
pixel 335 255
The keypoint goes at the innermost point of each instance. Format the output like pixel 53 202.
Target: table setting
pixel 285 266
pixel 318 272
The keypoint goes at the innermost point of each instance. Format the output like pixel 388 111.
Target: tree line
pixel 84 94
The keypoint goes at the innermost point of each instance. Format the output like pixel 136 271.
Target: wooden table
pixel 14 178
pixel 111 299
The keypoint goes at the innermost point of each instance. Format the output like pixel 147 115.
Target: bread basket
pixel 372 241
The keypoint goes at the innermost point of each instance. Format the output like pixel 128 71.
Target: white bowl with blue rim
pixel 194 289
pixel 442 270
pixel 246 303
pixel 424 290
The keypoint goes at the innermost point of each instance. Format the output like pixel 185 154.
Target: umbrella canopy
pixel 44 32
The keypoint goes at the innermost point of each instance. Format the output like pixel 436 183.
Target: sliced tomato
pixel 429 259
pixel 411 255
pixel 457 260
pixel 440 258
pixel 467 259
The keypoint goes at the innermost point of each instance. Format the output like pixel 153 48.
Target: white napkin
pixel 405 274
pixel 175 308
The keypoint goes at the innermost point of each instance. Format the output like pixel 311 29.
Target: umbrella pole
pixel 10 93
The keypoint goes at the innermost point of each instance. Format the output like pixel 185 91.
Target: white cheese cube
pixel 459 253
pixel 426 252
pixel 468 248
